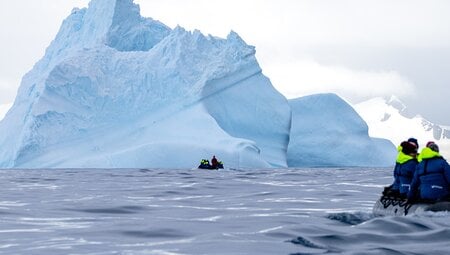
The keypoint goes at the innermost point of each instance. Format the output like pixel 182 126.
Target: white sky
pixel 356 48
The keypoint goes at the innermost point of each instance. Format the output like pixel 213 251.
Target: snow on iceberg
pixel 326 131
pixel 118 90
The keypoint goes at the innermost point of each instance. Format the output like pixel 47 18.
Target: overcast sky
pixel 356 48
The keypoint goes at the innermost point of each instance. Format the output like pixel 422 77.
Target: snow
pixel 326 131
pixel 117 90
pixel 386 118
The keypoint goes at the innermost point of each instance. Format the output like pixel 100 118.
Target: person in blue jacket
pixel 405 167
pixel 432 177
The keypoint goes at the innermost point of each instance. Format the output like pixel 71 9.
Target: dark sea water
pixel 166 212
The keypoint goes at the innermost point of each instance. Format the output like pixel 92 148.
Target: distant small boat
pixel 204 164
pixel 208 168
pixel 396 206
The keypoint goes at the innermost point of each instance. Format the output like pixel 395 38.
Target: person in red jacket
pixel 214 162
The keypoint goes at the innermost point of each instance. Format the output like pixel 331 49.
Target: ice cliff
pixel 327 131
pixel 115 89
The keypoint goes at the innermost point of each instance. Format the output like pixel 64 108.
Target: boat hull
pixel 394 206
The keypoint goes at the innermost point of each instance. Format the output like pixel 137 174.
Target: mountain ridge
pixel 386 120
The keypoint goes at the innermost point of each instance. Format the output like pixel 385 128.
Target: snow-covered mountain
pixel 326 131
pixel 115 89
pixel 389 118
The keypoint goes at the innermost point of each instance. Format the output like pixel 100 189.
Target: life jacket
pixel 204 162
pixel 405 167
pixel 432 176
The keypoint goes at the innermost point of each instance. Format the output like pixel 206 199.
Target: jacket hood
pixel 428 153
pixel 403 158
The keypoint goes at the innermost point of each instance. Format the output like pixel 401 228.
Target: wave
pixel 350 218
pixel 362 233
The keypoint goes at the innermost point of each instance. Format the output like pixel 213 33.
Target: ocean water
pixel 154 211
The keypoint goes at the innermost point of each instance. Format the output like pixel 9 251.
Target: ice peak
pixel 116 23
pixel 233 36
pixel 111 7
pixel 128 30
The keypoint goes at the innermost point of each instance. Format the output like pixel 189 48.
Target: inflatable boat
pixel 396 206
pixel 204 164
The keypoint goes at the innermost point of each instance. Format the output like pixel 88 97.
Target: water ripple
pixel 181 211
pixel 156 233
pixel 113 210
pixel 350 218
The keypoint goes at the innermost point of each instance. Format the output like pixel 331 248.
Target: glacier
pixel 328 132
pixel 117 90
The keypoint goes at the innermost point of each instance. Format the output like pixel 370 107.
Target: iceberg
pixel 327 131
pixel 4 109
pixel 118 90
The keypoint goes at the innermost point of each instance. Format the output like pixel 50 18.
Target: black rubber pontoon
pixel 395 206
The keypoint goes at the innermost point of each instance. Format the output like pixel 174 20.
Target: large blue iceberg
pixel 117 90
pixel 327 131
